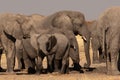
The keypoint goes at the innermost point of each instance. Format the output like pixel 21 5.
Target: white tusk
pixel 83 37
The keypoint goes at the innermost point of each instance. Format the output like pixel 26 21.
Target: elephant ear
pixel 52 41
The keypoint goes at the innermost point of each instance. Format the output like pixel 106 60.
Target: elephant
pixel 56 46
pixel 71 23
pixel 11 30
pixel 34 20
pixel 108 30
pixel 96 42
pixel 98 55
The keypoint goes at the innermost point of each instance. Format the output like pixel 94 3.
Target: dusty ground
pixel 97 74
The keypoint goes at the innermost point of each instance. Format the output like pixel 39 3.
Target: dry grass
pixel 97 74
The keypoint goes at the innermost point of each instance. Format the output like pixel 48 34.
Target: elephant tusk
pixel 83 37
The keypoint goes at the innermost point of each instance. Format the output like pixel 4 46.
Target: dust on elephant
pixel 56 45
pixel 108 26
pixel 71 23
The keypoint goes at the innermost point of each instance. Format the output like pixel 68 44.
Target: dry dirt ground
pixel 98 74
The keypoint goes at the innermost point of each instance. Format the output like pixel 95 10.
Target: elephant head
pixel 74 21
pixel 31 24
pixel 11 24
pixel 80 28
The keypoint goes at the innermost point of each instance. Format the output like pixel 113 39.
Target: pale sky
pixel 90 8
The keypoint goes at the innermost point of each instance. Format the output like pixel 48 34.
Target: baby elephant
pixel 56 47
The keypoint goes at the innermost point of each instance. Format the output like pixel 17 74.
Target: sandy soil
pixel 98 74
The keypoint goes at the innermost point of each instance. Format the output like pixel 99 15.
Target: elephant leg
pixel 102 57
pixel 114 68
pixel 75 58
pixel 94 44
pixel 118 63
pixel 9 48
pixel 74 54
pixel 19 54
pixel 50 63
pixel 28 63
pixel 108 63
pixel 19 58
pixel 74 51
pixel 65 61
pixel 10 57
pixel 114 54
pixel 39 66
pixel 56 65
pixel 65 65
pixel 95 57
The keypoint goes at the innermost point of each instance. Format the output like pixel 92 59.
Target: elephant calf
pixel 56 47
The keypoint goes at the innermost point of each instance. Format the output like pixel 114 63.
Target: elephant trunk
pixel 103 43
pixel 86 49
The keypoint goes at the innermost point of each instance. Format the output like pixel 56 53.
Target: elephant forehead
pixel 78 20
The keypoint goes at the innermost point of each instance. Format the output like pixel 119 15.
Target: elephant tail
pixel 10 37
pixel 52 41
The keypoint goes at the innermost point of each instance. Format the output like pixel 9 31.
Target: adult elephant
pixel 34 20
pixel 96 42
pixel 108 26
pixel 11 29
pixel 71 23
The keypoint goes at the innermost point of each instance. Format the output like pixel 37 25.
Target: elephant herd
pixel 30 38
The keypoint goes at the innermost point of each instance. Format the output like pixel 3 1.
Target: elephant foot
pixel 31 71
pixel 57 70
pixel 89 69
pixel 77 67
pixel 38 73
pixel 96 61
pixel 56 73
pixel 19 68
pixel 86 65
pixel 10 72
pixel 102 60
pixel 2 70
pixel 115 72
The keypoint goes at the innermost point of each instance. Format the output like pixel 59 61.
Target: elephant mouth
pixel 76 33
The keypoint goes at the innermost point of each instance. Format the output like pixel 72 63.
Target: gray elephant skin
pixel 56 47
pixel 96 42
pixel 108 26
pixel 11 30
pixel 71 23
